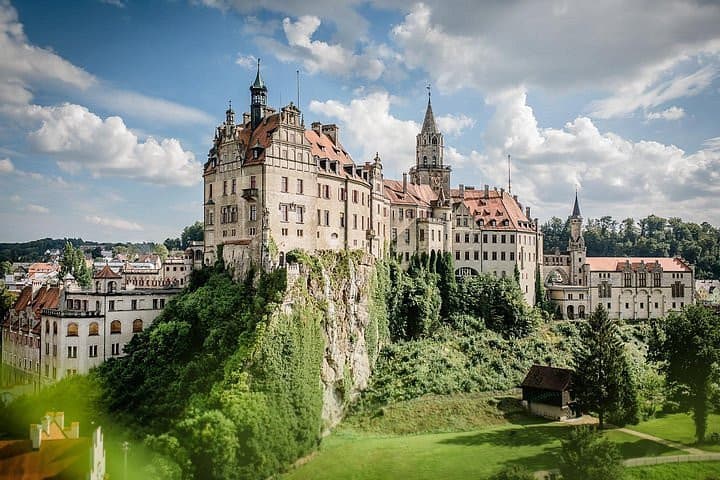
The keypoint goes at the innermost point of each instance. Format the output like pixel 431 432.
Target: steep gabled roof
pixel 548 378
pixel 418 195
pixel 107 273
pixel 428 125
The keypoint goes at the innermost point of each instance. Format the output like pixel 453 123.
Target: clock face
pixel 436 180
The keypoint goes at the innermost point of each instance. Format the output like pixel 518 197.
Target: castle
pixel 272 186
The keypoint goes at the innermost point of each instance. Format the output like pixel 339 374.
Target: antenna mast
pixel 509 184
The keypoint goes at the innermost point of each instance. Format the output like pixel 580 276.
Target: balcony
pixel 250 193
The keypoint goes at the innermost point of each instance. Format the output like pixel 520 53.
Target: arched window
pixel 72 330
pixel 77 304
pixel 137 325
pixel 570 312
pixel 115 326
pixel 111 287
pixel 54 328
pixel 97 286
pixel 424 160
pixel 97 306
pixel 47 326
pixel 93 329
pixel 434 141
pixel 282 259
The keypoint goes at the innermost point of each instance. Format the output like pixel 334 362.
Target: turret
pixel 576 245
pixel 258 99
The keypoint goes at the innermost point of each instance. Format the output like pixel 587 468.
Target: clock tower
pixel 429 167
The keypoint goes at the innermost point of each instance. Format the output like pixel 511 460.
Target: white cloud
pixel 454 124
pixel 248 62
pixel 32 208
pixel 367 126
pixel 80 139
pixel 115 223
pixel 318 56
pixel 617 175
pixel 605 45
pixel 15 199
pixel 114 3
pixel 6 165
pixel 672 113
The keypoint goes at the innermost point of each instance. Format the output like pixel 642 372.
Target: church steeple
pixel 258 102
pixel 429 122
pixel 576 208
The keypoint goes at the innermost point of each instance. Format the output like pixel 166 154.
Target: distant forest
pixel 34 251
pixel 652 236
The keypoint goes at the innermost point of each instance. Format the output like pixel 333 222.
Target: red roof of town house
pixel 323 147
pixel 497 210
pixel 617 264
pixel 47 297
pixel 41 267
pixel 23 299
pixel 261 136
pixel 107 273
pixel 418 195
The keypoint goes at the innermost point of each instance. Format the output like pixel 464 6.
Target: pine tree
pixel 600 367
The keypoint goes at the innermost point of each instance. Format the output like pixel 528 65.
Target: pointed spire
pixel 576 208
pixel 258 83
pixel 429 122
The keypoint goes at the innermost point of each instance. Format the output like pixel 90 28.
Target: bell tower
pixel 576 245
pixel 429 166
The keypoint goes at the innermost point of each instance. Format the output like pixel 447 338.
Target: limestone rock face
pixel 342 288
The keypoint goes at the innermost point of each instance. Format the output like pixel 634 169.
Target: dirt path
pixel 662 441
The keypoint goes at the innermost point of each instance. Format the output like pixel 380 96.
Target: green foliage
pixel 446 283
pixel 499 302
pixel 377 332
pixel 464 357
pixel 192 233
pixel 161 250
pixel 650 236
pixel 602 376
pixel 586 455
pixel 513 472
pixel 6 267
pixel 73 262
pixel 7 300
pixel 414 301
pixel 688 345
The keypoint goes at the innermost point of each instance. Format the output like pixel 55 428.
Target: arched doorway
pixel 570 312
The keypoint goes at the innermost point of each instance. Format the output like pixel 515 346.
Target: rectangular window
pixel 467 238
pixel 502 255
pixel 494 255
pixel 355 196
pixel 642 280
pixel 284 184
pixel 133 304
pixel 494 239
pixel 457 254
pixel 162 303
pixel 233 185
pixel 457 238
pixel 627 279
pixel 72 352
pixel 476 238
pixel 283 213
pixel 422 235
pixel 407 236
pixel 512 255
pixel 485 255
pixel 111 305
pixel 502 238
pixel 253 181
pixel 393 234
pixel 485 238
pixel 253 213
pixel 476 255
pixel 327 218
pixel 355 222
pixel 467 255
pixel 299 187
pixel 93 351
pixel 342 220
pixel 299 213
pixel 115 348
pixel 224 187
pixel 155 303
pixel 512 238
pixel 326 191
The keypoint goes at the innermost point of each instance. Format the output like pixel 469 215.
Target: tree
pixel 602 382
pixel 6 267
pixel 73 262
pixel 587 455
pixel 446 283
pixel 161 250
pixel 688 344
pixel 172 243
pixel 192 233
pixel 6 301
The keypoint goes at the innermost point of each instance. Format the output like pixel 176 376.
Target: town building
pixel 53 451
pixel 62 330
pixel 629 288
pixel 272 186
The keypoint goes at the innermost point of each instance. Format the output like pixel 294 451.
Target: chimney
pixel 246 117
pixel 515 197
pixel 36 436
pixel 502 191
pixel 527 212
pixel 487 191
pixel 331 130
pixel 404 182
pixel 316 127
pixel 74 430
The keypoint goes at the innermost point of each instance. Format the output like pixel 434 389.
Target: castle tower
pixel 429 166
pixel 258 99
pixel 576 245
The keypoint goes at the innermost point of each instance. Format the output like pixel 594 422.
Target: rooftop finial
pixel 258 79
pixel 429 122
pixel 576 207
pixel 429 91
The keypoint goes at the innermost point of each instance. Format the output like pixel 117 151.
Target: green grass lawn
pixel 469 455
pixel 675 471
pixel 679 427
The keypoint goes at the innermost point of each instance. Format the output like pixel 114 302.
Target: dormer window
pixel 256 153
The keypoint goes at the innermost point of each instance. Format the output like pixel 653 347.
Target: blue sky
pixel 107 108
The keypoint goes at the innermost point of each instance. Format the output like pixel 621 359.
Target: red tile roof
pixel 23 299
pixel 323 147
pixel 107 273
pixel 497 206
pixel 56 459
pixel 616 264
pixel 418 195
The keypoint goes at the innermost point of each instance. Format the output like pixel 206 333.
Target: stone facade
pixel 272 186
pixel 629 288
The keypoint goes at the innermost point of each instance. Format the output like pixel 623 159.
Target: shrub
pixel 586 455
pixel 514 472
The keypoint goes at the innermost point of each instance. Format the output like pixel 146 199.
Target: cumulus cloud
pixel 6 165
pixel 79 139
pixel 115 223
pixel 616 175
pixel 672 113
pixel 32 208
pixel 613 46
pixel 367 126
pixel 319 56
pixel 246 61
pixel 454 124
